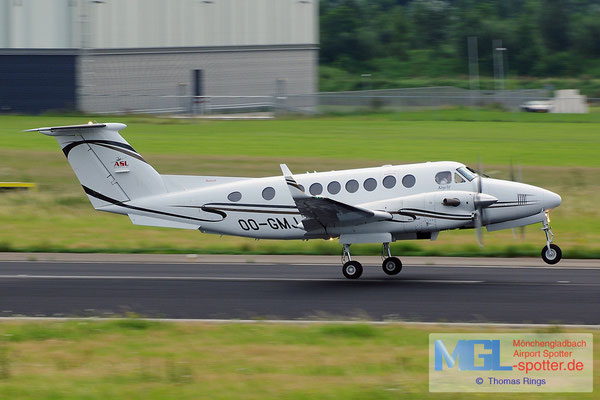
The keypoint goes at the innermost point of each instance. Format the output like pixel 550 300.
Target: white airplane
pixel 366 205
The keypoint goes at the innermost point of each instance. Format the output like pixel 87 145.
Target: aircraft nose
pixel 550 200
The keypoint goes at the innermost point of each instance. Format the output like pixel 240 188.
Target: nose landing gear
pixel 551 253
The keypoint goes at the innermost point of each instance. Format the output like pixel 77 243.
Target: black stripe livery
pixel 100 196
pixel 67 149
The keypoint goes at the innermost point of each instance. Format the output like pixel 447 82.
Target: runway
pixel 238 290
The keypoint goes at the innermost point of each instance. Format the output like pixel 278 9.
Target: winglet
pixel 295 189
pixel 286 171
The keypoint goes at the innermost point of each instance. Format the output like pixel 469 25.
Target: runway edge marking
pixel 305 322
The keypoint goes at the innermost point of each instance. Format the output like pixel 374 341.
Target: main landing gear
pixel 551 253
pixel 391 265
pixel 350 269
pixel 353 269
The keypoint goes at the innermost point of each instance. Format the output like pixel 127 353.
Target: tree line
pixel 428 38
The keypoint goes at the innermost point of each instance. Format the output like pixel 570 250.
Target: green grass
pixel 559 155
pixel 364 139
pixel 136 359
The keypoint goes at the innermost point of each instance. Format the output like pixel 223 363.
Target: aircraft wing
pixel 323 213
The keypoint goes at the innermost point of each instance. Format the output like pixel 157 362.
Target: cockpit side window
pixel 458 178
pixel 466 173
pixel 443 178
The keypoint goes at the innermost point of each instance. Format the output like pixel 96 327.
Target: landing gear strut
pixel 391 265
pixel 551 253
pixel 350 269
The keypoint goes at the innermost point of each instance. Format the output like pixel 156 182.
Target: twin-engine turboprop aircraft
pixel 367 205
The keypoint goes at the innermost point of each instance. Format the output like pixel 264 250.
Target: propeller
pixel 482 201
pixel 516 177
pixel 478 207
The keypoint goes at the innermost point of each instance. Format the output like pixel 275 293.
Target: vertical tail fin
pixel 108 168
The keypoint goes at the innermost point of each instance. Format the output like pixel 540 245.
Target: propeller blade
pixel 479 175
pixel 512 170
pixel 521 233
pixel 517 178
pixel 478 228
pixel 479 206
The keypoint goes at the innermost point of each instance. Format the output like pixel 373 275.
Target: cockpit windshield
pixel 467 173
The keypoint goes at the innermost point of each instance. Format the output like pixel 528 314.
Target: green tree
pixel 525 49
pixel 586 33
pixel 554 24
pixel 346 39
pixel 429 23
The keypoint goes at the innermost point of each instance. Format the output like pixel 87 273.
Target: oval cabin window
pixel 409 181
pixel 352 185
pixel 389 182
pixel 268 193
pixel 334 187
pixel 370 184
pixel 234 196
pixel 316 189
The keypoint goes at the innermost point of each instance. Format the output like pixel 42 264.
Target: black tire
pixel 553 255
pixel 352 270
pixel 392 265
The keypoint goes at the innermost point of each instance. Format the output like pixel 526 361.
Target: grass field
pixel 558 152
pixel 136 359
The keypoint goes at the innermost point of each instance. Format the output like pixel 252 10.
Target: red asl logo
pixel 119 164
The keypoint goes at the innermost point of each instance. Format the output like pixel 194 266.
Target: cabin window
pixel 370 184
pixel 268 193
pixel 352 185
pixel 458 178
pixel 234 196
pixel 334 187
pixel 389 182
pixel 301 187
pixel 443 178
pixel 409 181
pixel 316 189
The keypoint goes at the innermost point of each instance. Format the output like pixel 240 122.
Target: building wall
pixel 139 54
pixel 39 24
pixel 38 81
pixel 113 24
pixel 160 79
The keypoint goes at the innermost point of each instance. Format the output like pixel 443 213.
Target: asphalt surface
pixel 440 293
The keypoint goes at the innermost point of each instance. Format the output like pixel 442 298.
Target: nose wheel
pixel 551 253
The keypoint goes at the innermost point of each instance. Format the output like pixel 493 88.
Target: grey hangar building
pixel 116 56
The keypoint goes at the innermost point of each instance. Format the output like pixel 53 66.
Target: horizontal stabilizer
pixel 70 130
